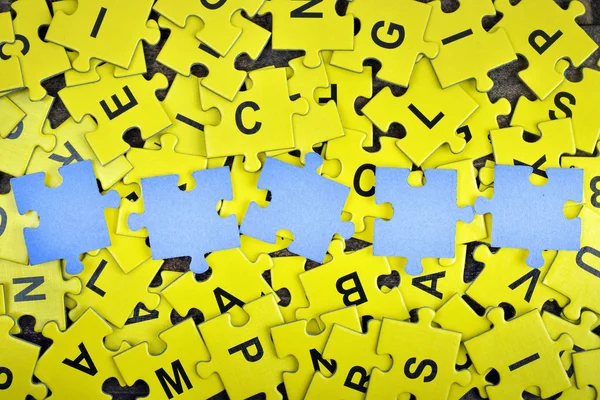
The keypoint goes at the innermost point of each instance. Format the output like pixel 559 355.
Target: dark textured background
pixel 506 84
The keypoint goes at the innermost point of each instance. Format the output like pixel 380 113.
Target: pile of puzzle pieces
pixel 248 229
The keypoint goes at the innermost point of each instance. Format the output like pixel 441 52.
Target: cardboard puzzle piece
pixel 510 148
pixel 575 273
pixel 353 368
pixel 38 291
pixel 478 381
pixel 79 357
pixel 131 203
pixel 523 354
pixel 117 104
pixel 145 325
pixel 520 286
pixel 220 31
pixel 72 147
pixel 351 279
pixel 391 32
pixel 345 87
pixel 11 115
pixel 285 274
pixel 111 292
pixel 531 217
pixel 431 115
pixel 347 162
pixel 545 35
pixel 10 67
pixel 586 372
pixel 172 372
pixel 465 46
pixel 220 293
pixel 402 235
pixel 476 129
pixel 12 241
pixel 591 179
pixel 312 26
pixel 575 100
pixel 173 216
pixel 436 284
pixel 244 356
pixel 109 30
pixel 76 201
pixel 182 51
pixel 425 371
pixel 294 192
pixel 322 122
pixel 28 134
pixel 128 251
pixel 458 316
pixel 257 120
pixel 38 58
pixel 18 359
pixel 297 339
pixel 253 247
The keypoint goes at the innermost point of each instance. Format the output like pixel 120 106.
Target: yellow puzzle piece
pixel 591 178
pixel 12 223
pixel 11 116
pixel 457 315
pixel 285 274
pixel 586 369
pixel 10 67
pixel 297 340
pixel 431 115
pixel 391 32
pixel 128 251
pixel 418 368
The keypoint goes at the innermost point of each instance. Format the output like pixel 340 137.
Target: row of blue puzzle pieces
pixel 306 204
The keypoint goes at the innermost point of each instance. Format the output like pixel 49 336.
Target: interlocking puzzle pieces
pixel 145 325
pixel 39 59
pixel 285 274
pixel 38 291
pixel 591 179
pixel 425 371
pixel 28 134
pixel 510 147
pixel 172 372
pixel 353 367
pixel 128 251
pixel 520 286
pixel 395 44
pixel 297 339
pixel 464 46
pixel 295 191
pixel 17 362
pixel 135 105
pixel 433 214
pixel 220 293
pixel 220 31
pixel 111 292
pixel 531 217
pixel 182 50
pixel 11 115
pixel 523 354
pixel 10 67
pixel 77 202
pixel 244 356
pixel 476 129
pixel 72 147
pixel 431 115
pixel 575 100
pixel 12 241
pixel 79 358
pixel 351 279
pixel 586 368
pixel 174 217
pixel 311 26
pixel 258 120
pixel 94 28
pixel 575 273
pixel 545 35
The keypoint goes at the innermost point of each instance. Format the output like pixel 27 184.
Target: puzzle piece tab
pixel 285 274
pixel 12 241
pixel 76 201
pixel 10 67
pixel 11 114
pixel 586 369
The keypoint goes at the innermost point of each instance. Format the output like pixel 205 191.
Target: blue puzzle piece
pixel 531 217
pixel 424 220
pixel 187 223
pixel 304 203
pixel 71 215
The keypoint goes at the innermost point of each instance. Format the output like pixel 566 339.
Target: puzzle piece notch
pixel 12 241
pixel 173 216
pixel 586 363
pixel 532 217
pixel 77 200
pixel 10 67
pixel 399 237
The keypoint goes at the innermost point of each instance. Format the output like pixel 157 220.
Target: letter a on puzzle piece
pixel 303 202
pixel 186 223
